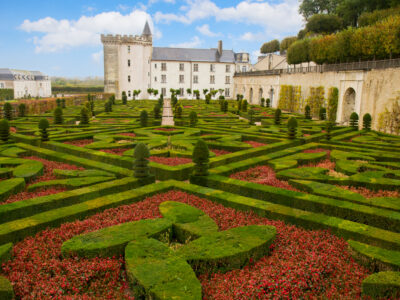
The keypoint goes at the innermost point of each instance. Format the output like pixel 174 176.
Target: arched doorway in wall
pixel 348 105
pixel 260 95
pixel 271 96
pixel 251 96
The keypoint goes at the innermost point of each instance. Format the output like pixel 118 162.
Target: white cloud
pixel 281 18
pixel 56 35
pixel 205 30
pixel 193 43
pixel 254 55
pixel 97 56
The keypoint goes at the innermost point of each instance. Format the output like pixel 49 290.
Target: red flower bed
pixel 219 152
pixel 318 150
pixel 80 143
pixel 262 175
pixel 372 194
pixel 13 129
pixel 170 161
pixel 306 134
pixel 116 151
pixel 254 144
pixel 127 134
pixel 188 106
pixel 265 114
pixel 303 264
pixel 326 163
pixel 49 166
pixel 165 129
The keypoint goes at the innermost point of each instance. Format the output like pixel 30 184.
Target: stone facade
pixel 360 91
pixel 25 83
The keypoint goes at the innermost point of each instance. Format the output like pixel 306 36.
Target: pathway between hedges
pixel 167 116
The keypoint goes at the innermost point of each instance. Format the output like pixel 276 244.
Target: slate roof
pixel 9 74
pixel 146 29
pixel 185 54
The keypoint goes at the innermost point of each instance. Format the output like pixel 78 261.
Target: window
pixel 181 78
pixel 212 68
pixel 129 93
pixel 1 85
pixel 181 67
pixel 163 66
pixel 155 66
pixel 227 92
pixel 164 92
pixel 129 62
pixel 227 79
pixel 155 79
pixel 182 93
pixel 228 68
pixel 212 79
pixel 129 49
pixel 195 67
pixel 195 79
pixel 244 69
pixel 129 78
pixel 163 78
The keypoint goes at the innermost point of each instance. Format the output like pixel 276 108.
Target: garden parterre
pixel 318 194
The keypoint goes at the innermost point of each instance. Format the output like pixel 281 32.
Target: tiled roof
pixel 200 55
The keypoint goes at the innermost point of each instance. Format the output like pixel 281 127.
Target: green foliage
pixel 270 47
pixel 193 119
pixel 174 100
pixel 354 120
pixel 251 117
pixel 58 116
pixel 124 98
pixel 292 128
pixel 244 105
pixel 58 101
pixel 63 103
pixel 262 102
pixel 43 126
pixel 197 94
pixel 6 289
pixel 157 111
pixel 289 98
pixel 321 23
pixel 143 118
pixel 322 113
pixel 208 98
pixel 333 99
pixel 371 18
pixel 328 130
pixel 108 106
pixel 367 119
pixel 112 99
pixel 268 102
pixel 286 43
pixel 21 110
pixel 189 91
pixel 205 91
pixel 7 108
pixel 277 116
pixel 84 120
pixel 200 157
pixel 226 106
pixel 140 165
pixel 307 112
pixel 178 111
pixel 382 285
pixel 4 130
pixel 298 52
pixel 309 8
pixel 6 94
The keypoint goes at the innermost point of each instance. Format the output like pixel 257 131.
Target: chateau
pixel 132 63
pixel 25 83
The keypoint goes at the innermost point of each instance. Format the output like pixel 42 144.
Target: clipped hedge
pixel 11 186
pixel 6 289
pixel 5 253
pixel 382 285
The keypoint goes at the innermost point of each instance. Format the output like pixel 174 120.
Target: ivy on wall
pixel 316 100
pixel 333 99
pixel 389 120
pixel 290 98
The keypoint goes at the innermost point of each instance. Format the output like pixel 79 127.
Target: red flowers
pixel 254 144
pixel 262 175
pixel 127 134
pixel 219 152
pixel 170 161
pixel 116 151
pixel 80 143
pixel 303 264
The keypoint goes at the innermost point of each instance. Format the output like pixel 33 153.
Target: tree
pixel 322 113
pixel 21 110
pixel 201 158
pixel 268 103
pixel 58 116
pixel 262 102
pixel 43 126
pixel 239 105
pixel 156 111
pixel 286 43
pixel 292 128
pixel 309 8
pixel 299 52
pixel 143 118
pixel 150 91
pixel 333 98
pixel 307 112
pixel 155 92
pixel 354 120
pixel 178 111
pixel 324 24
pixel 108 106
pixel 161 101
pixel 226 105
pixel 251 117
pixel 208 98
pixel 193 119
pixel 63 103
pixel 58 101
pixel 84 116
pixel 174 100
pixel 205 91
pixel 277 117
pixel 140 165
pixel 4 130
pixel 270 47
pixel 124 98
pixel 197 94
pixel 367 119
pixel 112 98
pixel 7 111
pixel 328 130
pixel 244 105
pixel 189 91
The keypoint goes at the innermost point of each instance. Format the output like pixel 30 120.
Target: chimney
pixel 220 48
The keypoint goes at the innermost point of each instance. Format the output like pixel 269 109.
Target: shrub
pixel 174 100
pixel 58 101
pixel 7 111
pixel 354 120
pixel 201 158
pixel 143 118
pixel 244 105
pixel 193 119
pixel 161 101
pixel 108 106
pixel 124 98
pixel 226 105
pixel 270 47
pixel 307 112
pixel 63 103
pixel 328 130
pixel 178 111
pixel 251 117
pixel 262 102
pixel 58 116
pixel 197 94
pixel 292 128
pixel 156 111
pixel 239 105
pixel 333 98
pixel 208 98
pixel 21 110
pixel 322 113
pixel 140 165
pixel 43 126
pixel 4 130
pixel 367 119
pixel 84 116
pixel 277 117
pixel 268 102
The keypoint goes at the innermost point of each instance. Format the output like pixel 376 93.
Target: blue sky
pixel 62 38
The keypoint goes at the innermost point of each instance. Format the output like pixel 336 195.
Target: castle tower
pixel 127 63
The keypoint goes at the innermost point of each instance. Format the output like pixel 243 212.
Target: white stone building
pixel 132 63
pixel 25 83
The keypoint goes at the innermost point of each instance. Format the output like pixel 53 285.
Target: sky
pixel 62 38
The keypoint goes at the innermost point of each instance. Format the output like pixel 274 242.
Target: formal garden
pixel 100 201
